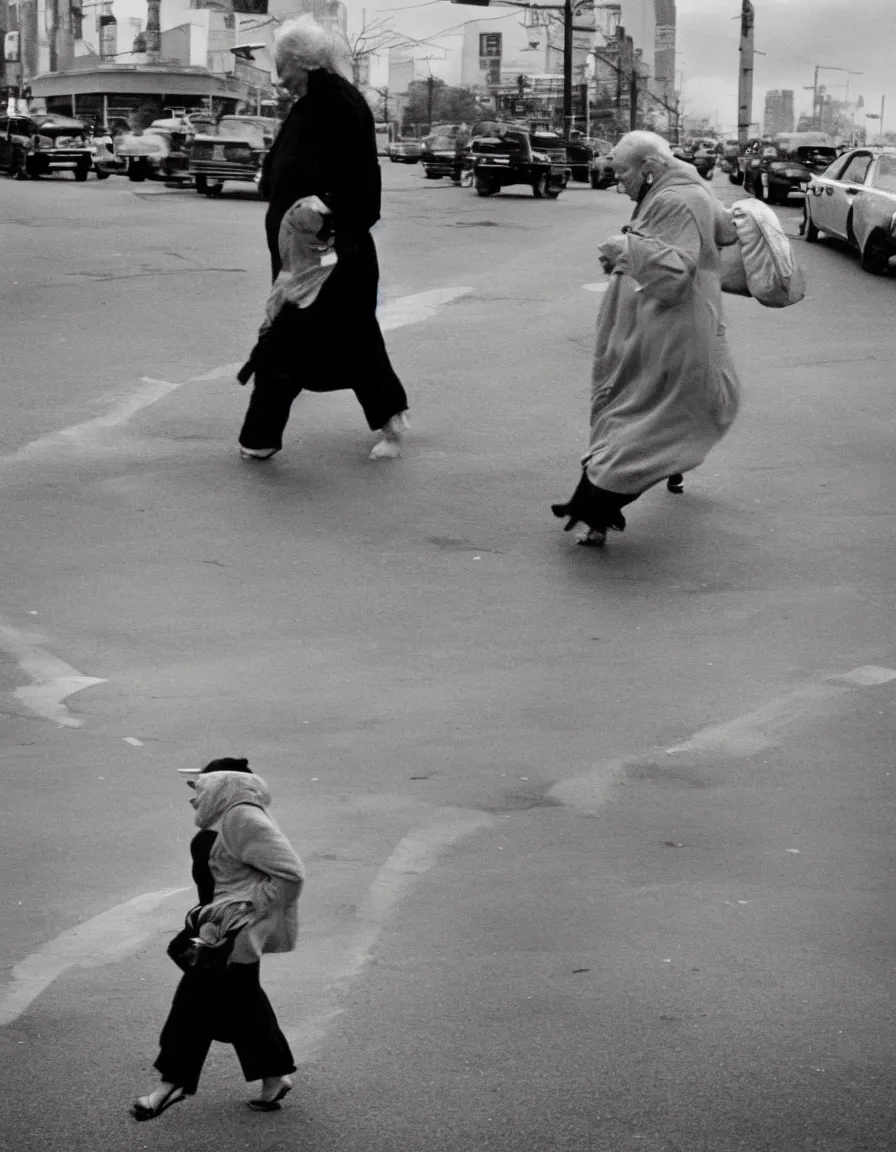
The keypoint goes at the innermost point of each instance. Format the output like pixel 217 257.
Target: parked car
pixel 580 151
pixel 728 160
pixel 105 162
pixel 159 152
pixel 235 151
pixel 602 174
pixel 34 146
pixel 514 155
pixel 854 199
pixel 778 168
pixel 405 151
pixel 443 155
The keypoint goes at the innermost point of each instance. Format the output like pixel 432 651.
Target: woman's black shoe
pixel 675 483
pixel 141 1112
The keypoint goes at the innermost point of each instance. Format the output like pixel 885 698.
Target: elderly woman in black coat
pixel 325 148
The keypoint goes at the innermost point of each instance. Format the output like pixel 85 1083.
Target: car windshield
pixel 243 128
pixel 441 143
pixel 817 157
pixel 885 177
pixel 510 142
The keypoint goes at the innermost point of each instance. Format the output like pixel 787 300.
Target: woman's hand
pixel 610 252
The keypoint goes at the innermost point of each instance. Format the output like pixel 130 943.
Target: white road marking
pixel 52 680
pixel 413 856
pixel 417 308
pixel 106 939
pixel 600 286
pixel 743 736
pixel 90 434
pixel 868 675
pixel 133 740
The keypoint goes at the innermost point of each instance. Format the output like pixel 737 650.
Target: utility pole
pixel 633 97
pixel 745 83
pixel 430 84
pixel 567 67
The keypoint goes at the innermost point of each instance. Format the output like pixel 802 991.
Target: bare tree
pixel 375 37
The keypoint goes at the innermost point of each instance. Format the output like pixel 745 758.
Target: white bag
pixel 762 261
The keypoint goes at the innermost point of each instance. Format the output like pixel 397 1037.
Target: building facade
pixel 779 111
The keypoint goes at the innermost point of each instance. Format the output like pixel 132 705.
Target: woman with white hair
pixel 664 390
pixel 326 148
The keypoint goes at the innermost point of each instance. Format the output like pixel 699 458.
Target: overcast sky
pixel 796 35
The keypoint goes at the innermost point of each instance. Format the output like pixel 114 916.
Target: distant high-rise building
pixel 779 116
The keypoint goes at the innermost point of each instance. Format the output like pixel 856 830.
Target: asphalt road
pixel 599 842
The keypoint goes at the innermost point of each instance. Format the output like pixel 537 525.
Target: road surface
pixel 599 842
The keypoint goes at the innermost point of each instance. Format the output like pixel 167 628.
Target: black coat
pixel 326 148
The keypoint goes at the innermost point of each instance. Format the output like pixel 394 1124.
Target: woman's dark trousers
pixel 334 344
pixel 229 1006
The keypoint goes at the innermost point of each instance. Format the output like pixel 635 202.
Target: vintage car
pixel 159 152
pixel 602 174
pixel 775 169
pixel 38 145
pixel 235 151
pixel 728 161
pixel 854 199
pixel 513 155
pixel 443 155
pixel 404 151
pixel 579 154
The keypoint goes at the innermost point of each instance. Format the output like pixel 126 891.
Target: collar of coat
pixel 677 175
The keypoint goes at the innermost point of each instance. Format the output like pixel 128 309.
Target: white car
pixel 855 200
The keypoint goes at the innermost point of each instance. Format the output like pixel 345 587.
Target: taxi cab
pixel 854 199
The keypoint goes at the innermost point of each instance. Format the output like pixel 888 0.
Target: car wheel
pixel 136 172
pixel 540 187
pixel 215 190
pixel 22 169
pixel 431 175
pixel 595 181
pixel 553 193
pixel 811 230
pixel 485 187
pixel 876 255
pixel 82 172
pixel 101 175
pixel 202 185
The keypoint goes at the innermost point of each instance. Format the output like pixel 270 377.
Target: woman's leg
pixel 186 1036
pixel 261 1047
pixel 268 411
pixel 595 507
pixel 380 393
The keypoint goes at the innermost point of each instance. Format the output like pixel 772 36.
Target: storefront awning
pixel 137 80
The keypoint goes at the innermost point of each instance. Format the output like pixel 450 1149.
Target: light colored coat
pixel 664 390
pixel 251 860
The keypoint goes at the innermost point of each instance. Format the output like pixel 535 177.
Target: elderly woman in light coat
pixel 664 390
pixel 256 880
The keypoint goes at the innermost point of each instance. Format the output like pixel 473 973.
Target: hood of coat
pixel 216 792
